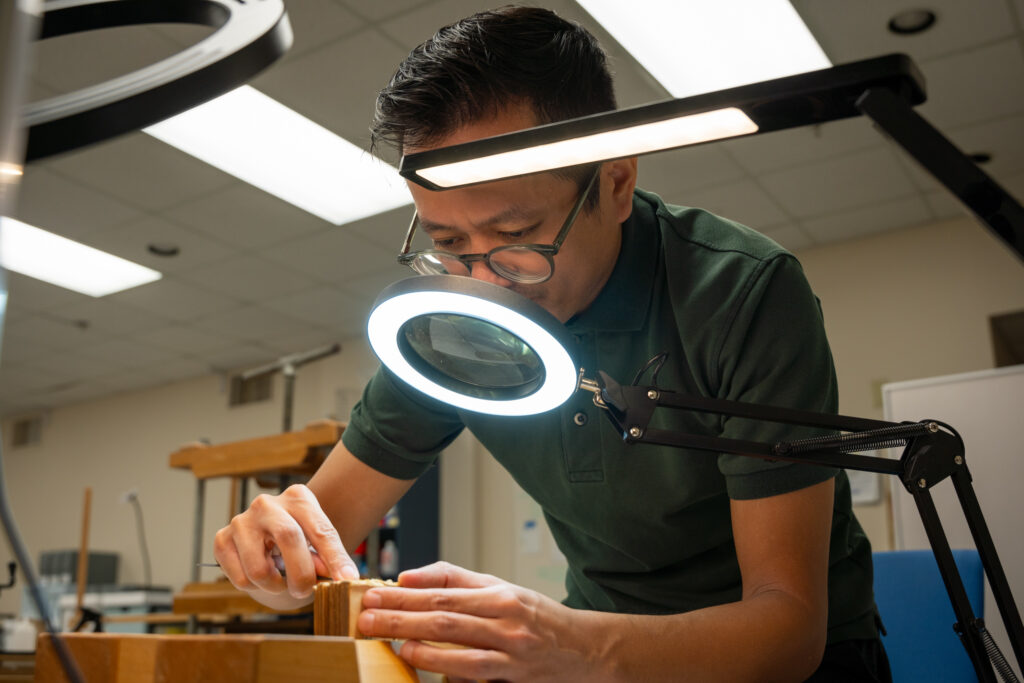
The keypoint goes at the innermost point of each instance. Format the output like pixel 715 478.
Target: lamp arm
pixel 993 205
pixel 931 455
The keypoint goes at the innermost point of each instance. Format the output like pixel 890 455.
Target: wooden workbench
pixel 132 658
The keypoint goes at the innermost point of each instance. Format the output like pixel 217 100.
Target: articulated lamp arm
pixel 932 452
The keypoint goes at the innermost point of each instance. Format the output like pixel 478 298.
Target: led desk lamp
pixel 486 349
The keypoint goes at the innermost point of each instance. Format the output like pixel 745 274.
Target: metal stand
pixel 933 452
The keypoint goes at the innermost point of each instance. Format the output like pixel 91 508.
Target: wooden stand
pixel 279 455
pixel 124 658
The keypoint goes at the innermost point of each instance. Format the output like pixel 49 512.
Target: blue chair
pixel 918 616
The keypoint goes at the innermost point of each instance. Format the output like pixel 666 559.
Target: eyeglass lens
pixel 514 263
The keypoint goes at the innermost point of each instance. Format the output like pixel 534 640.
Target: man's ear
pixel 621 174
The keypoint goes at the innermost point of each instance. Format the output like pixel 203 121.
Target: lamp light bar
pixel 45 256
pixel 259 140
pixel 641 139
pixel 739 42
pixel 788 102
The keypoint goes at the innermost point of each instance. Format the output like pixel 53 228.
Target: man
pixel 682 565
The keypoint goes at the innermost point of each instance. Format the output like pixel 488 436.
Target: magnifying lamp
pixel 484 348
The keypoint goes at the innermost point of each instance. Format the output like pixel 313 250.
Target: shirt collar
pixel 625 298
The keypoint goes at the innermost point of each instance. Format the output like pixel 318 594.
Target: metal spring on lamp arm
pixel 875 439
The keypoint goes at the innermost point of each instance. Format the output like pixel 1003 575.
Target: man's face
pixel 530 210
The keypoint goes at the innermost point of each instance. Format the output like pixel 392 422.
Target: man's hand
pixel 509 632
pixel 292 524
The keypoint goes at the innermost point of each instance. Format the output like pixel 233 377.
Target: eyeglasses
pixel 529 264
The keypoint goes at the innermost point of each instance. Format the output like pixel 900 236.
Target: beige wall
pixel 123 442
pixel 900 305
pixel 910 304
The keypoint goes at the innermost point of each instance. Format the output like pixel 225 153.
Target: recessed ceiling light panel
pixel 259 140
pixel 45 256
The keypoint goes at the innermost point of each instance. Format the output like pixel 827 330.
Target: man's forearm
pixel 768 637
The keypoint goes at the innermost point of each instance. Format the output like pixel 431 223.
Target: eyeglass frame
pixel 548 251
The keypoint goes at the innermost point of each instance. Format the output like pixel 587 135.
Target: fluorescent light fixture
pixel 640 139
pixel 45 256
pixel 698 46
pixel 259 140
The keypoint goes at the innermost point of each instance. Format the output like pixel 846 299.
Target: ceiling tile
pixel 789 236
pixel 88 58
pixel 325 87
pixel 317 22
pixel 131 241
pixel 245 217
pixel 787 148
pixel 413 27
pixel 240 357
pixel 867 220
pixel 840 183
pixel 305 340
pixel 386 230
pixel 1003 139
pixel 376 11
pixel 176 300
pixel 370 285
pixel 319 306
pixel 743 202
pixel 141 171
pixel 672 174
pixel 20 379
pixel 29 293
pixel 51 202
pixel 333 255
pixel 125 353
pixel 18 349
pixel 945 205
pixel 251 324
pixel 974 86
pixel 848 31
pixel 107 317
pixel 247 278
pixel 183 339
pixel 55 333
pixel 72 366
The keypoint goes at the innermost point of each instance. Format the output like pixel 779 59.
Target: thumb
pixel 445 575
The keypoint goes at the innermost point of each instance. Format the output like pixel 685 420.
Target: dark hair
pixel 475 67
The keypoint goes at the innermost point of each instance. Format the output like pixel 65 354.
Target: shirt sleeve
pixel 398 430
pixel 775 352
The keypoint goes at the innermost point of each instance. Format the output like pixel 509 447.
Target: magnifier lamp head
pixel 473 345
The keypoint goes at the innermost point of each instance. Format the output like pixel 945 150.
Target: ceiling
pixel 257 278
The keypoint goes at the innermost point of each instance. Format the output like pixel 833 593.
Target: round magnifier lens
pixel 473 345
pixel 471 356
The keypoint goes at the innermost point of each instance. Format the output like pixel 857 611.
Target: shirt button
pixel 580 418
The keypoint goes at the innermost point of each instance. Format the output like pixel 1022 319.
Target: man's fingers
pixel 227 557
pixel 445 575
pixel 443 627
pixel 331 559
pixel 468 664
pixel 492 602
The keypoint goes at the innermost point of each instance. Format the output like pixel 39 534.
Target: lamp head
pixel 473 345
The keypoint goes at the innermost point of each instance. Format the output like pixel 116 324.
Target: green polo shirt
pixel 646 529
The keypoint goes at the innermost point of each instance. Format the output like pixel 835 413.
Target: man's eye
pixel 447 243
